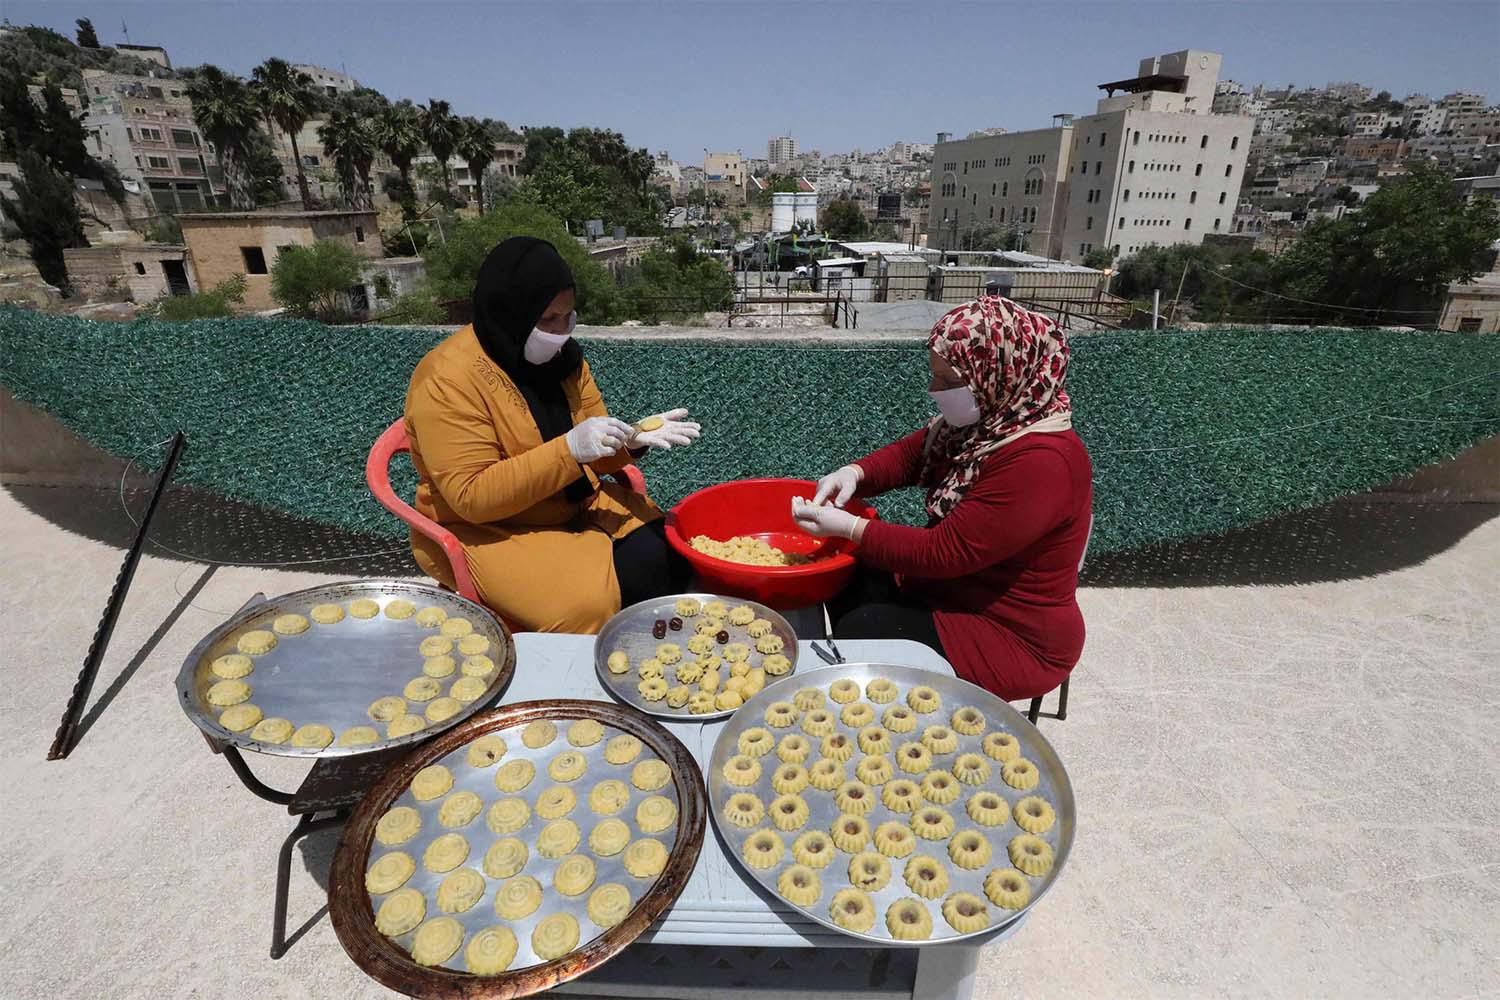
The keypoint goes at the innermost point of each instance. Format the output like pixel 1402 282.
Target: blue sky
pixel 837 75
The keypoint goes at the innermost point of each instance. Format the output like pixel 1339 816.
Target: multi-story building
pixel 328 81
pixel 1481 123
pixel 505 159
pixel 1373 123
pixel 1152 165
pixel 1461 102
pixel 145 127
pixel 724 173
pixel 1424 116
pixel 781 149
pixel 1230 98
pixel 1375 149
pixel 1354 93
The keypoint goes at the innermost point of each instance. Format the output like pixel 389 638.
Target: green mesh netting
pixel 1190 432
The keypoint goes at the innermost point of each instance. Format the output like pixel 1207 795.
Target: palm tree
pixel 225 110
pixel 349 141
pixel 476 144
pixel 287 99
pixel 440 129
pixel 398 134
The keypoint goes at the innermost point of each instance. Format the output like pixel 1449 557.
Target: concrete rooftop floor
pixel 1288 790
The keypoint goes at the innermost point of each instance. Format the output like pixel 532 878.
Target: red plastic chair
pixel 378 474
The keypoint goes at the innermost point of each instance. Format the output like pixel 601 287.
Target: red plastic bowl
pixel 762 508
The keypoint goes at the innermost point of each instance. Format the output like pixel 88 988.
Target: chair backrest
pixel 391 443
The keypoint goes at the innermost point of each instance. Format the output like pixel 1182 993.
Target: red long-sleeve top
pixel 1001 570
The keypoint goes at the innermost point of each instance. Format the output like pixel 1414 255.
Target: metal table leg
pixel 306 825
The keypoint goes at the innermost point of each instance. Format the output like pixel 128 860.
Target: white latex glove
pixel 838 486
pixel 673 432
pixel 824 521
pixel 596 438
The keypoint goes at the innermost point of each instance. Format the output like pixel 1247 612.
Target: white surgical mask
pixel 957 406
pixel 541 346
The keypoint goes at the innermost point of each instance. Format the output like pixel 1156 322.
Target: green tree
pixel 349 141
pixel 844 220
pixel 566 185
pixel 440 131
pixel 476 144
pixel 287 98
pixel 673 281
pixel 539 142
pixel 225 110
pixel 453 266
pixel 1100 257
pixel 777 185
pixel 399 134
pixel 87 39
pixel 217 302
pixel 46 213
pixel 314 281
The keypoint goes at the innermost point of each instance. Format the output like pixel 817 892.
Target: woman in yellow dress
pixel 511 441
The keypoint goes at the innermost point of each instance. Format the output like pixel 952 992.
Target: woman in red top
pixel 991 581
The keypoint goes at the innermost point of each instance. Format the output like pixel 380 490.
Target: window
pixel 1137 140
pixel 1098 166
pixel 1103 138
pixel 1122 222
pixel 150 134
pixel 140 268
pixel 1127 195
pixel 1198 170
pixel 1083 167
pixel 1234 143
pixel 1469 324
pixel 1203 144
pixel 1228 169
pixel 966 166
pixel 1089 223
pixel 255 260
pixel 1222 196
pixel 159 162
pixel 184 137
pixel 1004 189
pixel 130 134
pixel 993 188
pixel 992 211
pixel 1131 168
pixel 1193 198
pixel 188 165
pixel 1188 224
pixel 1216 225
pixel 1002 215
pixel 359 234
pixel 966 191
pixel 974 198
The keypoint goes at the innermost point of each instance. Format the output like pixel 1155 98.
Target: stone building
pixel 224 244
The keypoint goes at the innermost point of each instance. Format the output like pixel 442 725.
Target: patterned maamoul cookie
pixel 505 857
pixel 854 798
pixel 389 873
pixel 1007 888
pixel 966 912
pixel 931 823
pixel 881 690
pixel 874 739
pixel 430 782
pixel 622 749
pixel 490 951
pixel 850 833
pixel 435 645
pixel 923 699
pixel 913 758
pixel 776 665
pixel 852 910
pixel 274 730
pixel 700 645
pixel 939 739
pixel 857 715
pixel 609 904
pixel 744 809
pixel 518 897
pixel 655 814
pixel 971 769
pixel 363 607
pixel 874 770
pixel 869 872
pixel 473 645
pixel 756 742
pixel 899 719
pixel 400 609
pixel 737 651
pixel 575 874
pixel 649 775
pixel 568 766
pixel 232 692
pixel 1031 854
pixel 789 779
pixel 557 838
pixel 356 736
pixel 609 837
pixel 825 774
pixel 428 617
pixel 726 700
pixel 808 699
pixel 327 614
pixel 769 645
pixel 782 714
pixel 316 735
pixel 442 709
pixel 818 722
pixel 987 809
pixel 742 770
pixel 894 840
pixel 436 941
pixel 758 627
pixel 400 912
pixel 585 733
pixel 459 809
pixel 398 825
pixel 763 849
pixel 445 853
pixel 555 802
pixel 1020 773
pixel 405 726
pixel 813 848
pixel 688 607
pixel 232 666
pixel 651 669
pixel 969 849
pixel 477 666
pixel 241 717
pixel 514 775
pixel 256 642
pixel 1001 746
pixel 456 628
pixel 926 876
pixel 793 748
pixel 902 795
pixel 1034 814
pixel 485 751
pixel 716 609
pixel 939 787
pixel 843 690
pixel 788 812
pixel 668 653
pixel 654 689
pixel 678 696
pixel 838 747
pixel 538 734
pixel 700 703
pixel 800 885
pixel 555 935
pixel 741 614
pixel 645 858
pixel 908 920
pixel 460 891
pixel 709 627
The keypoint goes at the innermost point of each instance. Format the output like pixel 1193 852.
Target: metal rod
pixel 69 725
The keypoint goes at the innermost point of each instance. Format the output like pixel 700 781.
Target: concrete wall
pixel 133 272
pixel 987 177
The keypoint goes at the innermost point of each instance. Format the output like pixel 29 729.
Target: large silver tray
pixel 630 630
pixel 331 673
pixel 1054 786
pixel 387 959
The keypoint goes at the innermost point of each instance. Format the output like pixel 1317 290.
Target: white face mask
pixel 957 406
pixel 541 346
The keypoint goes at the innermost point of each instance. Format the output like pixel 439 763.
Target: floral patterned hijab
pixel 1015 362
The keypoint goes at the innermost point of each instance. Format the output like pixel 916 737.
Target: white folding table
pixel 722 937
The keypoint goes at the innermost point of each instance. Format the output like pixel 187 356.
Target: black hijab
pixel 516 283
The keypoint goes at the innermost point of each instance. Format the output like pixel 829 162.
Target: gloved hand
pixel 673 431
pixel 838 486
pixel 824 521
pixel 596 438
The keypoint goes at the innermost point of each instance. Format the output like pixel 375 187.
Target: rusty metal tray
pixel 388 960
pixel 330 674
pixel 1053 786
pixel 630 631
